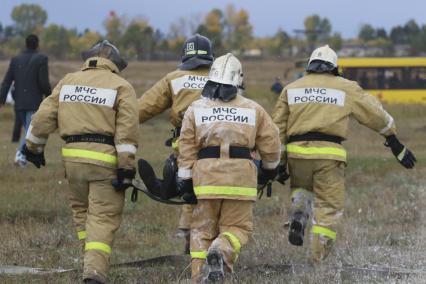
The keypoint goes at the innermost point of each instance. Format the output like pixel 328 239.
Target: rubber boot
pixel 297 228
pixel 214 269
pixel 147 174
pixel 92 281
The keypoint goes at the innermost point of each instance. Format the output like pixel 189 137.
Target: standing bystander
pixel 29 73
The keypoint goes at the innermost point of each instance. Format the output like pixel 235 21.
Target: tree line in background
pixel 229 30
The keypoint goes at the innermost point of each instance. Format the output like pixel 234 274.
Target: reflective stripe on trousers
pixel 79 153
pixel 199 254
pixel 98 246
pixel 235 242
pixel 226 190
pixel 324 231
pixel 316 150
pixel 82 235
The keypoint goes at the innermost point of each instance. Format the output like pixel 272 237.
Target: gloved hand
pixel 124 179
pixel 266 175
pixel 282 174
pixel 37 159
pixel 186 187
pixel 402 154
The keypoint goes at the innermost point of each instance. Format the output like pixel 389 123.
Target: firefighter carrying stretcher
pixel 177 90
pixel 95 111
pixel 219 132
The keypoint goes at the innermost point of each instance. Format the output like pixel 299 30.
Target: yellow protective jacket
pixel 177 90
pixel 323 103
pixel 94 100
pixel 240 122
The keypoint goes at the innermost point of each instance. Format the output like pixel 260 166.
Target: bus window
pixel 368 78
pixel 393 78
pixel 388 78
pixel 418 78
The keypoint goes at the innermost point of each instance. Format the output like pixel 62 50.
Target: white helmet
pixel 227 70
pixel 324 53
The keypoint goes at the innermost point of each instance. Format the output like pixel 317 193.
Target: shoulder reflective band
pixel 78 153
pixel 82 235
pixel 98 246
pixel 235 243
pixel 226 190
pixel 196 52
pixel 316 150
pixel 199 254
pixel 324 231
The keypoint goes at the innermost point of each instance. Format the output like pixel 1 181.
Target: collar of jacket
pixel 102 63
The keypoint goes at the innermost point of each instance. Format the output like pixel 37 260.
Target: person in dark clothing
pixel 29 73
pixel 277 87
pixel 17 126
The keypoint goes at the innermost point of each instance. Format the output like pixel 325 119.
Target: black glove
pixel 37 159
pixel 124 179
pixel 186 187
pixel 282 174
pixel 402 154
pixel 266 175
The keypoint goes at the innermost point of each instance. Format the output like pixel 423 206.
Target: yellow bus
pixel 392 80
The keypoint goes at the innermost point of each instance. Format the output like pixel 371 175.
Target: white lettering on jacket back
pixel 87 95
pixel 225 114
pixel 316 95
pixel 194 82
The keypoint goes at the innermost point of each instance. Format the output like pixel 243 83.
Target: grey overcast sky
pixel 266 16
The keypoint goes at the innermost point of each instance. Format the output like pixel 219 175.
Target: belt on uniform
pixel 315 136
pixel 95 138
pixel 235 152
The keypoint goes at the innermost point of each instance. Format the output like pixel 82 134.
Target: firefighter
pixel 219 132
pixel 177 90
pixel 95 111
pixel 312 114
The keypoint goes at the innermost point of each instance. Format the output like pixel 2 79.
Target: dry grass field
pixel 382 238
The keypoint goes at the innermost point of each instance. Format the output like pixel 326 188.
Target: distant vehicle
pixel 392 80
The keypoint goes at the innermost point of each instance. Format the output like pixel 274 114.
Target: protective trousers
pixel 97 210
pixel 322 181
pixel 219 224
pixel 185 217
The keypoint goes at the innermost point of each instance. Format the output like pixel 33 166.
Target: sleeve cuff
pixel 125 148
pixel 389 124
pixel 184 173
pixel 270 165
pixel 34 139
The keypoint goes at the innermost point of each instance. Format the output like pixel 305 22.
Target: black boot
pixel 297 228
pixel 92 281
pixel 147 174
pixel 215 270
